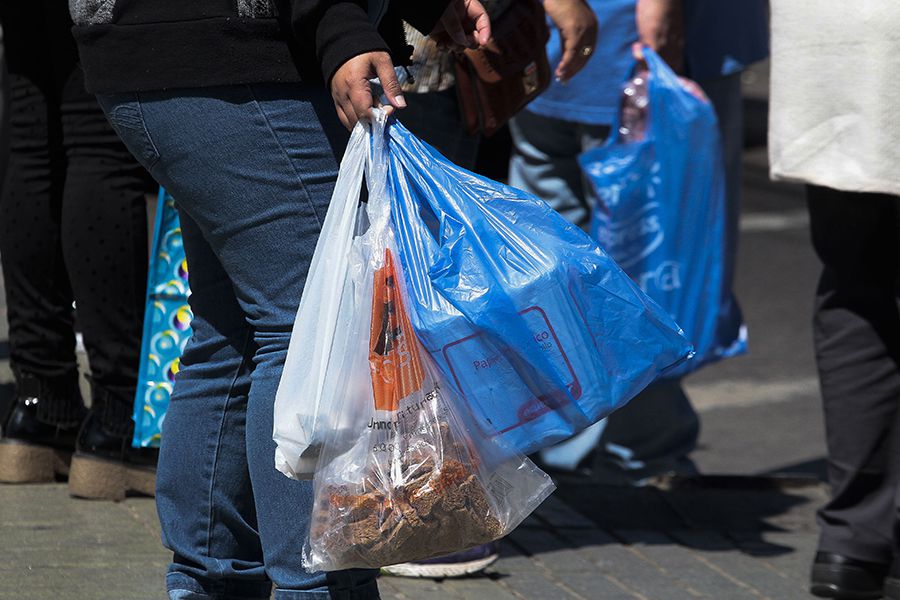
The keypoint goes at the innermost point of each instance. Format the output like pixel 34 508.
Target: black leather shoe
pixel 105 466
pixel 892 583
pixel 25 426
pixel 843 578
pixel 38 434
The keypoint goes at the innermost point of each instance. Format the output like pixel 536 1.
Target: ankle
pixel 113 408
pixel 56 400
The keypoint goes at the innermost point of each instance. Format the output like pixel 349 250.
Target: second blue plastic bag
pixel 536 327
pixel 661 214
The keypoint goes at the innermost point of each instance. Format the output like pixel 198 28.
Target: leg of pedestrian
pixel 249 167
pixel 39 432
pixel 104 244
pixel 857 340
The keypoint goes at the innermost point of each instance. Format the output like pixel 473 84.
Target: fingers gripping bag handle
pixel 399 476
pixel 526 317
pixel 320 337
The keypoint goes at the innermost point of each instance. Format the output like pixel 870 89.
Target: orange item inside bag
pixel 393 353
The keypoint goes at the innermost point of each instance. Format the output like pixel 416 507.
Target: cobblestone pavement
pixel 713 538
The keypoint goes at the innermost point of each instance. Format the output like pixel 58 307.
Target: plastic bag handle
pixel 670 98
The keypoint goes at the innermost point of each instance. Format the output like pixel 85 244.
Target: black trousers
pixel 857 342
pixel 73 223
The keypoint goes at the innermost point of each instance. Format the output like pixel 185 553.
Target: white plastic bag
pixel 321 336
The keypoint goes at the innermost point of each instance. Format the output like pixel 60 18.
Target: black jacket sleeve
pixel 340 30
pixel 335 31
pixel 421 14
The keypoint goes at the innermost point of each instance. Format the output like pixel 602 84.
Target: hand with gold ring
pixel 577 26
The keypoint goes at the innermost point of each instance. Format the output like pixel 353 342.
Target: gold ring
pixel 587 50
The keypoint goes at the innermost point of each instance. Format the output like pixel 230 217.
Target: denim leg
pixel 544 162
pixel 253 167
pixel 202 463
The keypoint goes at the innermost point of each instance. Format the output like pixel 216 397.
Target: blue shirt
pixel 592 96
pixel 722 37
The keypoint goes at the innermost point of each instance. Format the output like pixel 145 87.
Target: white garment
pixel 835 100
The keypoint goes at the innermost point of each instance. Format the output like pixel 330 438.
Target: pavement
pixel 745 529
pixel 713 539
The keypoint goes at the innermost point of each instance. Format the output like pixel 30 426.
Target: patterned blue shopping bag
pixel 167 325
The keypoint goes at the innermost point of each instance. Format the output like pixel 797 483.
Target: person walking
pixel 835 126
pixel 73 227
pixel 711 42
pixel 228 106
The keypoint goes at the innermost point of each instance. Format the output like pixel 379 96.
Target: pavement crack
pixel 511 590
pixel 619 584
pixel 134 515
pixel 723 573
pixel 546 571
pixel 664 571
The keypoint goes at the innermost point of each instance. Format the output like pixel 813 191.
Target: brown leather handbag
pixel 496 81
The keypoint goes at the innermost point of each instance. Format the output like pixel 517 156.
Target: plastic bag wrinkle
pixel 513 270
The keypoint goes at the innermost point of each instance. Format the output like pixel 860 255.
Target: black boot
pixel 105 466
pixel 892 583
pixel 844 578
pixel 38 433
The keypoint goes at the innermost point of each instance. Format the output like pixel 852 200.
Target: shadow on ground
pixel 817 468
pixel 706 513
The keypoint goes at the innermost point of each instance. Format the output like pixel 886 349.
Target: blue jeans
pixel 252 168
pixel 657 430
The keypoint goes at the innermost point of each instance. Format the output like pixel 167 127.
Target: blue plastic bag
pixel 535 326
pixel 167 325
pixel 661 215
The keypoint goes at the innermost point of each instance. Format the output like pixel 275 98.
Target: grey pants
pixel 857 341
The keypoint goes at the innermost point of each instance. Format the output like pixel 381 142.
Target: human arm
pixel 352 52
pixel 577 25
pixel 660 25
